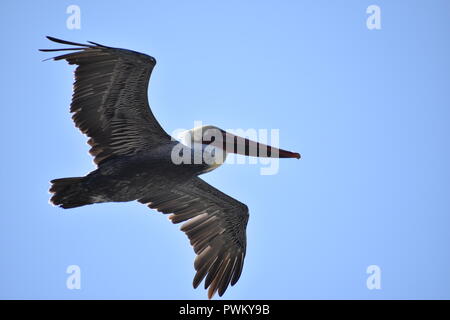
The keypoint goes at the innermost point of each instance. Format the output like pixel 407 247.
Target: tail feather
pixel 69 193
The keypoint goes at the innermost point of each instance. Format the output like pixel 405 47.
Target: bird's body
pixel 128 178
pixel 138 160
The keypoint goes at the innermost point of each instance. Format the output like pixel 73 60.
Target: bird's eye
pixel 208 140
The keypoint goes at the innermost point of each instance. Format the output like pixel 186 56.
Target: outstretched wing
pixel 109 102
pixel 215 226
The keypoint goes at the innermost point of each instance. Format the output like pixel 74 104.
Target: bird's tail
pixel 69 193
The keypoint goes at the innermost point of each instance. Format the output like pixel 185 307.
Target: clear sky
pixel 367 109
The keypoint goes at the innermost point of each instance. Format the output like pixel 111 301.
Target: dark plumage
pixel 133 154
pixel 110 106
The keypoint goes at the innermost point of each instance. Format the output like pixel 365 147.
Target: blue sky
pixel 367 109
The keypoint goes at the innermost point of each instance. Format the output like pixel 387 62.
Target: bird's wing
pixel 215 225
pixel 109 102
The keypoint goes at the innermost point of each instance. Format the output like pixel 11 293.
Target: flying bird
pixel 137 160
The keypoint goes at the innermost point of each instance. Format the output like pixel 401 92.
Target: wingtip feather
pixel 66 42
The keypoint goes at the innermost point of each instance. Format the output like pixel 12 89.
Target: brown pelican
pixel 137 160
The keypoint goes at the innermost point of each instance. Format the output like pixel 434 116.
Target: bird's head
pixel 220 142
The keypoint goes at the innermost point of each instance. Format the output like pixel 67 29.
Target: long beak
pixel 239 145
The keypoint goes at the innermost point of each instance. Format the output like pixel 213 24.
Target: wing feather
pixel 109 102
pixel 215 225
